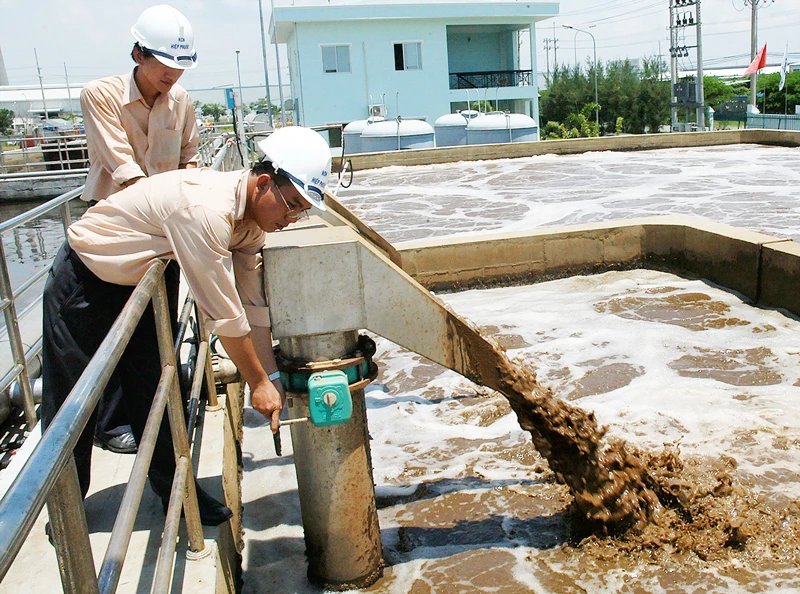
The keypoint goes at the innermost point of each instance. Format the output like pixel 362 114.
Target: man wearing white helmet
pixel 139 124
pixel 214 224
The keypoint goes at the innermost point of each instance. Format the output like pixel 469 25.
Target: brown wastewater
pixel 586 508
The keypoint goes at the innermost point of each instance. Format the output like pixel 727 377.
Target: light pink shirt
pixel 128 139
pixel 194 216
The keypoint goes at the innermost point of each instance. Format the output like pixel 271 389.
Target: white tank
pixel 351 135
pixel 451 128
pixel 502 127
pixel 389 136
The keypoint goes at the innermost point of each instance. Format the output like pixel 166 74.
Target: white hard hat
pixel 167 34
pixel 303 156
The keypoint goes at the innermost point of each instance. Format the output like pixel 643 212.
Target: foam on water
pixel 438 430
pixel 656 357
pixel 752 187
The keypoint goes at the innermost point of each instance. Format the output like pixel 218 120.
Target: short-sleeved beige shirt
pixel 128 139
pixel 194 216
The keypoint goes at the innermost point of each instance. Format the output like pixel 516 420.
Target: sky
pixel 92 37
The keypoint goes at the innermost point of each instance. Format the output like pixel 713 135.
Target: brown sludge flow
pixel 646 501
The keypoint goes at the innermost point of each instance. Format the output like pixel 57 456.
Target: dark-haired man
pixel 137 125
pixel 214 225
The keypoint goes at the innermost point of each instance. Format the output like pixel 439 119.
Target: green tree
pixel 260 106
pixel 213 110
pixel 716 91
pixel 6 121
pixel 779 101
pixel 640 96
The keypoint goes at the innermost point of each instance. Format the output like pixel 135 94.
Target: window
pixel 408 55
pixel 335 58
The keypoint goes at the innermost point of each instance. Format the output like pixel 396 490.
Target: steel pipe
pixel 334 479
pixel 177 422
pixel 111 568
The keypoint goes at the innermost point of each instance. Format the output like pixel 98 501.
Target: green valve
pixel 329 401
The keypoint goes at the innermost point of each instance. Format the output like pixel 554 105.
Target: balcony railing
pixel 490 79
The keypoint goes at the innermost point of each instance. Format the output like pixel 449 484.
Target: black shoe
pixel 125 443
pixel 212 512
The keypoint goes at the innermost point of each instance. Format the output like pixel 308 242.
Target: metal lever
pixel 276 437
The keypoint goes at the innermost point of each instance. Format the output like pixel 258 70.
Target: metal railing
pixel 50 475
pixel 490 79
pixel 21 154
pixel 9 298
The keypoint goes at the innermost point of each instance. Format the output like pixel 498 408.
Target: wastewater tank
pixel 502 127
pixel 392 135
pixel 351 135
pixel 451 128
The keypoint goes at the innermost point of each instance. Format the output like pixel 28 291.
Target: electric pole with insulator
pixel 754 6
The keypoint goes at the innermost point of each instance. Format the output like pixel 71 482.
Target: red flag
pixel 758 63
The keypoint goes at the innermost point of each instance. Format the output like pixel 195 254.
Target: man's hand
pixel 268 398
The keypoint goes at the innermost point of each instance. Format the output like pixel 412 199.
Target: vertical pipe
pixel 334 478
pixel 15 340
pixel 177 423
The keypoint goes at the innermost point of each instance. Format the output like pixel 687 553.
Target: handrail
pixel 51 464
pixel 26 496
pixel 28 216
pixel 8 297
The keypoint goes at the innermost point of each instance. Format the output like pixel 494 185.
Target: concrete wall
pixel 761 268
pixel 572 146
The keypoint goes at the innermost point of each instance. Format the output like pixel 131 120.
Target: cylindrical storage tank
pixel 391 136
pixel 351 136
pixel 502 127
pixel 451 129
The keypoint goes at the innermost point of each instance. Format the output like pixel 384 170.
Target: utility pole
pixel 547 49
pixel 278 63
pixel 69 92
pixel 264 56
pixel 684 95
pixel 555 48
pixel 753 48
pixel 754 5
pixel 701 95
pixel 41 85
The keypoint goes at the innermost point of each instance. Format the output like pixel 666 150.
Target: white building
pixel 349 59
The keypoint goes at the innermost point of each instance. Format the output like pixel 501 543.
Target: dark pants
pixel 79 310
pixel 112 420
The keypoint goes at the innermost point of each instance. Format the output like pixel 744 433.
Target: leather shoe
pixel 212 512
pixel 124 443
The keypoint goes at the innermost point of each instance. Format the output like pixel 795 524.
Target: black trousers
pixel 111 416
pixel 79 309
